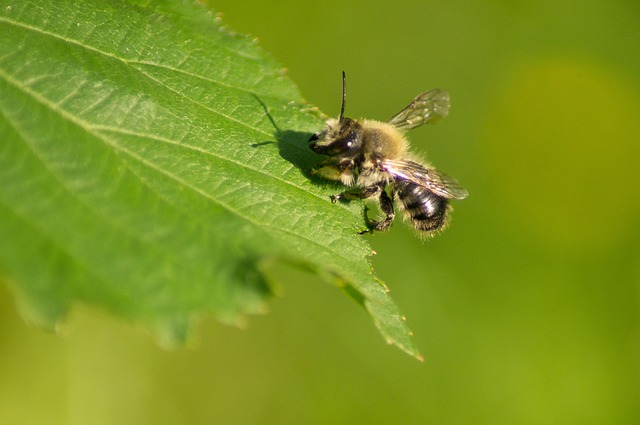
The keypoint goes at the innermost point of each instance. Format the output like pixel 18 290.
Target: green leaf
pixel 153 163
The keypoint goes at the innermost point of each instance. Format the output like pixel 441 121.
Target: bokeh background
pixel 526 309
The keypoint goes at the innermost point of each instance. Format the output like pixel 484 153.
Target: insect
pixel 373 157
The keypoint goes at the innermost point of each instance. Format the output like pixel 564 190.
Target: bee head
pixel 341 137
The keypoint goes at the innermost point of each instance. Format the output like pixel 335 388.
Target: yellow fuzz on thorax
pixel 383 140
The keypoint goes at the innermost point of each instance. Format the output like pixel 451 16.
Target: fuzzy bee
pixel 373 157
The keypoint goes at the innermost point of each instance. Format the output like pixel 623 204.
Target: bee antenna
pixel 344 95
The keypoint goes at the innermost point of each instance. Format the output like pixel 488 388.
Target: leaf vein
pixel 121 59
pixel 87 127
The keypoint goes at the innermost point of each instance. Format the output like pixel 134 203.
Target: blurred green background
pixel 526 309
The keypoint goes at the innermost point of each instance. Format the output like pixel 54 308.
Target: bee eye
pixel 342 147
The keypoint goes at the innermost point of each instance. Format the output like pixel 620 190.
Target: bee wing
pixel 435 181
pixel 427 108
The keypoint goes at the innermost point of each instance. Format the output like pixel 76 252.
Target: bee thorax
pixel 372 174
pixel 382 141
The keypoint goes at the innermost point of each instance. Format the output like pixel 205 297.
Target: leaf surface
pixel 152 163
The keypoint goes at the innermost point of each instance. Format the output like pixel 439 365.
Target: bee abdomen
pixel 427 211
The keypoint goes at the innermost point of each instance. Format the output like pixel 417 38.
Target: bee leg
pixel 327 172
pixel 329 169
pixel 364 193
pixel 386 205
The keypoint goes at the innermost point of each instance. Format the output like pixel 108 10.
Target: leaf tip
pixel 172 333
pixel 46 313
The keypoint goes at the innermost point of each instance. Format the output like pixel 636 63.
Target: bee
pixel 373 158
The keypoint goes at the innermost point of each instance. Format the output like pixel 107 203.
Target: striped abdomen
pixel 428 212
